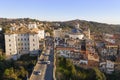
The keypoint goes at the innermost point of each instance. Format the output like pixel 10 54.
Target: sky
pixel 105 11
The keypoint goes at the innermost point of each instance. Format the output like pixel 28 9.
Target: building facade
pixel 23 40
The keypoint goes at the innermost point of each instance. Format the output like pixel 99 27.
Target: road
pixel 38 67
pixel 46 69
pixel 49 70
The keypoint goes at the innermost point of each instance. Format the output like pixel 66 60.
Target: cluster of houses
pixel 79 45
pixel 101 51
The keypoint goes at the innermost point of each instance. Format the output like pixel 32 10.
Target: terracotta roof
pixel 64 48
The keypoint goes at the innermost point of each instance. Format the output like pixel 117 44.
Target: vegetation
pixel 67 71
pixel 113 76
pixel 94 26
pixel 49 31
pixel 16 70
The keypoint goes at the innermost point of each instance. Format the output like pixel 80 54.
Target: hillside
pixel 94 26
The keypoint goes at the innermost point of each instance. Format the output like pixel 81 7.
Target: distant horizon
pixel 102 11
pixel 61 20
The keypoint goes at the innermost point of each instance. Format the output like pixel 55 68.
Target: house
pixel 107 66
pixel 57 33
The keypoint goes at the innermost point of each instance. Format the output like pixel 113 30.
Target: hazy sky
pixel 106 11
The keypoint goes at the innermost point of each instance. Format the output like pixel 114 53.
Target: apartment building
pixel 22 40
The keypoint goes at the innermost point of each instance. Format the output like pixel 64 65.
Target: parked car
pixel 48 62
pixel 37 72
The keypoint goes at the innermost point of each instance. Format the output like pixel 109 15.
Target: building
pixel 107 66
pixel 76 34
pixel 58 33
pixel 87 33
pixel 23 40
pixel 0 29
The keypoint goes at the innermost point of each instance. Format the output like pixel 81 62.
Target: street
pixel 42 65
pixel 49 70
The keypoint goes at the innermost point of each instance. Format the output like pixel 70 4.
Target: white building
pixel 0 29
pixel 31 26
pixel 107 66
pixel 23 40
pixel 76 36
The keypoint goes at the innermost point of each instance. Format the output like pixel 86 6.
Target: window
pixel 21 34
pixel 21 39
pixel 25 44
pixel 10 53
pixel 9 44
pixel 21 43
pixel 25 48
pixel 25 39
pixel 18 39
pixel 10 49
pixel 9 40
pixel 18 44
pixel 33 40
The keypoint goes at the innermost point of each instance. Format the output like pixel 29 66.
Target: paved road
pixel 38 67
pixel 49 70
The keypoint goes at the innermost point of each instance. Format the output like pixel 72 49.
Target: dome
pixel 76 31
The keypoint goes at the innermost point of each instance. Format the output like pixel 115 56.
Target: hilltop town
pixel 80 44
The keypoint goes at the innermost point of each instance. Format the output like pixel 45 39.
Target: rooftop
pixel 22 30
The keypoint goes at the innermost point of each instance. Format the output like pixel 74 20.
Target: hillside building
pixel 23 40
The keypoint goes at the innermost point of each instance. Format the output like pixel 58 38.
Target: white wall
pixel 109 64
pixel 0 29
pixel 41 34
pixel 83 61
pixel 34 43
pixel 10 44
pixel 79 36
pixel 22 43
pixel 31 26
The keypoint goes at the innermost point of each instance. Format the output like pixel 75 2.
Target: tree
pixel 99 74
pixel 9 74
